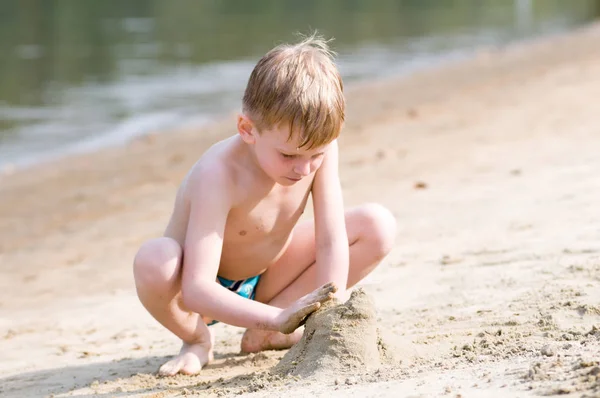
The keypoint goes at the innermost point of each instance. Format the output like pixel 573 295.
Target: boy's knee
pixel 157 261
pixel 379 227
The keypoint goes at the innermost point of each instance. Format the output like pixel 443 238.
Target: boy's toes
pixel 171 368
pixel 191 367
pixel 185 364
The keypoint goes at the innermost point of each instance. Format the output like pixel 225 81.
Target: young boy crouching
pixel 233 250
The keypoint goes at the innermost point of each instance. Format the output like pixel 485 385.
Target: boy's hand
pixel 295 315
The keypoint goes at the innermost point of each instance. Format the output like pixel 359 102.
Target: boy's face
pixel 281 158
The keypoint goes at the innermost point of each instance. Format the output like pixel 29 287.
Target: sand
pixel 491 167
pixel 339 339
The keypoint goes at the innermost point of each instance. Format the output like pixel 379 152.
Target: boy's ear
pixel 246 129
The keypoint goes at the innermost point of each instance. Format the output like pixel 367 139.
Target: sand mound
pixel 338 339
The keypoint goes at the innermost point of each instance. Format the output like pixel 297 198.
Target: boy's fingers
pixel 299 318
pixel 324 296
pixel 326 291
pixel 330 287
pixel 306 311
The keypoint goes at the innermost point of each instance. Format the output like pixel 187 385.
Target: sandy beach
pixel 491 166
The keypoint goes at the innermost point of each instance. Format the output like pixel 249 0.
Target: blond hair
pixel 300 85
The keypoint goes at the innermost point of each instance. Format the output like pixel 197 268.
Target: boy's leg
pixel 157 269
pixel 371 233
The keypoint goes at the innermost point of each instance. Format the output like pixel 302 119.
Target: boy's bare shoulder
pixel 213 172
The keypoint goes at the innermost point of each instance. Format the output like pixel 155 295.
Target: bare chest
pixel 270 218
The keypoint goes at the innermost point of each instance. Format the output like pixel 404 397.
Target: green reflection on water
pixel 50 45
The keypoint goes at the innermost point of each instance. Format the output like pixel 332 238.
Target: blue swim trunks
pixel 245 288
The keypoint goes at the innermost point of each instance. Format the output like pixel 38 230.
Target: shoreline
pixel 490 166
pixel 110 141
pixel 217 126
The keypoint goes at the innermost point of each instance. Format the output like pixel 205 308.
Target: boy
pixel 232 251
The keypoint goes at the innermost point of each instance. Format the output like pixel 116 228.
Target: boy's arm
pixel 210 202
pixel 332 250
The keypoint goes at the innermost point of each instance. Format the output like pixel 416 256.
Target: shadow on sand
pixel 122 378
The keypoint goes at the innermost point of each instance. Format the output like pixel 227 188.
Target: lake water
pixel 76 75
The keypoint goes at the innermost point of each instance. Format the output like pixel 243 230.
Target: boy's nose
pixel 302 169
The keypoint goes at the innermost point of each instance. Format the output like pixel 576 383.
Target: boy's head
pixel 295 90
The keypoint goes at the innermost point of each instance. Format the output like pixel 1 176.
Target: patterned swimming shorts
pixel 245 288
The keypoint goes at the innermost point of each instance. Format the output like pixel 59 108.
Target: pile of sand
pixel 339 339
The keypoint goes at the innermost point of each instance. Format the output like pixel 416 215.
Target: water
pixel 76 75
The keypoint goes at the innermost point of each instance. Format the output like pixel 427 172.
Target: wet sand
pixel 491 167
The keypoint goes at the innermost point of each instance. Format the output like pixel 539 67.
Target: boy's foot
pixel 255 340
pixel 190 359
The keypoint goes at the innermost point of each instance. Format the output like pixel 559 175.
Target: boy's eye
pixel 286 156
